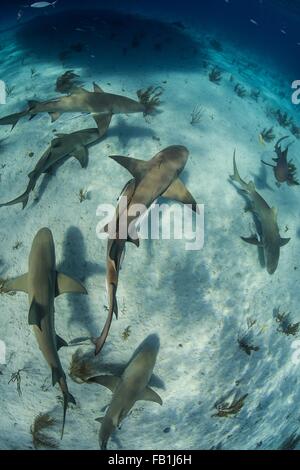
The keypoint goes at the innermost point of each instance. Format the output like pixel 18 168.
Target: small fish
pixel 261 140
pixel 283 31
pixel 19 15
pixel 42 4
pixel 253 21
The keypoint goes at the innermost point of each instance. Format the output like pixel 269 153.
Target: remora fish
pixel 43 283
pixel 64 145
pixel 284 170
pixel 270 241
pixel 128 389
pixel 98 103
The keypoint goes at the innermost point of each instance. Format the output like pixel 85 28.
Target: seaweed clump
pixel 196 115
pixel 283 119
pixel 291 442
pixel 267 135
pixel 285 324
pixel 226 410
pixel 37 430
pixel 81 368
pixel 150 98
pixel 66 82
pixel 240 90
pixel 215 75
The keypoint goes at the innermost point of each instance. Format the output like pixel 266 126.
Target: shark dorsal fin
pixel 36 314
pixel 179 192
pixel 108 381
pixel 150 395
pixel 67 285
pixel 136 167
pixel 97 88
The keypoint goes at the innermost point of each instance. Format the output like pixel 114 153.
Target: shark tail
pixel 113 308
pixel 236 177
pixel 68 398
pixel 12 119
pixel 21 199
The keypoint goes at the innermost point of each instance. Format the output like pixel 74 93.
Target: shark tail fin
pixel 21 199
pixel 12 119
pixel 236 177
pixel 68 398
pixel 113 308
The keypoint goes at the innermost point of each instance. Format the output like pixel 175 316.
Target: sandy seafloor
pixel 198 303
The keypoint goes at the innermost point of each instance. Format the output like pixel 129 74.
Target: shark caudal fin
pixel 21 199
pixel 113 308
pixel 12 119
pixel 236 177
pixel 68 398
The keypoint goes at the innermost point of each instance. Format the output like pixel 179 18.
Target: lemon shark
pixel 101 105
pixel 284 170
pixel 43 283
pixel 74 145
pixel 270 239
pixel 132 386
pixel 114 257
pixel 152 179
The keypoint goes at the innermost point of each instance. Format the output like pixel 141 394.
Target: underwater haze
pixel 209 338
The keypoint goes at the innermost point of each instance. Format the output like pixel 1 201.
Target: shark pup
pixel 102 106
pixel 43 283
pixel 152 179
pixel 64 145
pixel 284 170
pixel 129 388
pixel 270 239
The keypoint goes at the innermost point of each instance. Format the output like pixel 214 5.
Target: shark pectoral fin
pixel 36 314
pixel 67 285
pixel 108 381
pixel 99 420
pixel 18 284
pixel 60 343
pixel 103 122
pixel 275 213
pixel 97 88
pixel 82 155
pixel 136 167
pixel 284 241
pixel 150 395
pixel 253 240
pixel 54 116
pixel 179 192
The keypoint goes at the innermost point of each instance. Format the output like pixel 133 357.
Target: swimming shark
pixel 64 145
pixel 128 389
pixel 270 239
pixel 114 259
pixel 102 106
pixel 284 170
pixel 153 179
pixel 43 283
